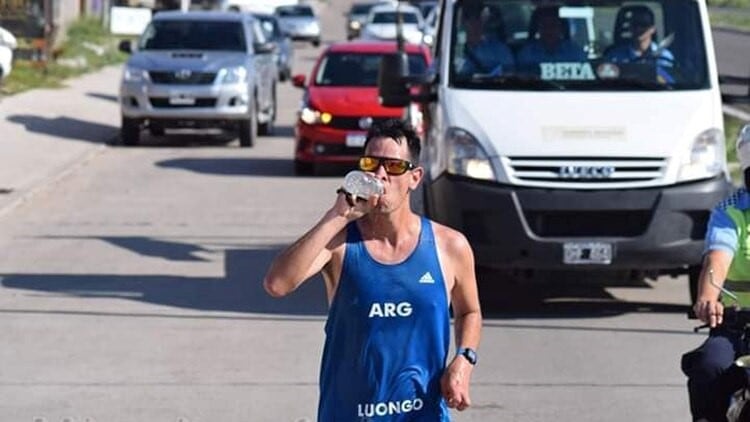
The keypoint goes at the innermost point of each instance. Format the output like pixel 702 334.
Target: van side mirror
pixel 735 98
pixel 393 89
pixel 125 46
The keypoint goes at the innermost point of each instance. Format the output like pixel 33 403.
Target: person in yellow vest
pixel 712 375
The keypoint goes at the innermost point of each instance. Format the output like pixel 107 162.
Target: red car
pixel 341 102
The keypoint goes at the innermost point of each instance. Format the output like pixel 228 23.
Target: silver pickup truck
pixel 199 70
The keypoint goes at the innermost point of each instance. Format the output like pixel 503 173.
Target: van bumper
pixel 525 228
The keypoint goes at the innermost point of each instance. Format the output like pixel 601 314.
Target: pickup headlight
pixel 466 157
pixel 233 75
pixel 311 116
pixel 354 25
pixel 134 74
pixel 706 159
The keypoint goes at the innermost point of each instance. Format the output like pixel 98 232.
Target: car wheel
pixel 247 129
pixel 265 129
pixel 130 131
pixel 302 168
pixel 316 42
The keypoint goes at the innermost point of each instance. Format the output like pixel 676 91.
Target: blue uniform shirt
pixel 490 56
pixel 534 52
pixel 625 53
pixel 721 233
pixel 387 337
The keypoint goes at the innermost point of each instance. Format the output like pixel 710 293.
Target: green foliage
pixel 732 128
pixel 729 3
pixel 87 42
pixel 726 18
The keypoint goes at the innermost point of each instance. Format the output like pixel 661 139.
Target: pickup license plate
pixel 181 99
pixel 587 253
pixel 355 139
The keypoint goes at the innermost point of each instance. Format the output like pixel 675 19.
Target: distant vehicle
pixel 426 7
pixel 357 16
pixel 254 6
pixel 199 70
pixel 300 22
pixel 341 102
pixel 430 26
pixel 284 53
pixel 8 43
pixel 381 23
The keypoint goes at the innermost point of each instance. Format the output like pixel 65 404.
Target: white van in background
pixel 589 157
pixel 256 6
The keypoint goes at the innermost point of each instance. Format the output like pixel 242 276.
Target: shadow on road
pixel 240 290
pixel 66 127
pixel 232 166
pixel 106 97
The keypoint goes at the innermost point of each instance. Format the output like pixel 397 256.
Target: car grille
pixel 158 102
pixel 172 78
pixel 586 171
pixel 352 122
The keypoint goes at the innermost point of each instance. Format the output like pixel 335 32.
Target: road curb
pixel 51 180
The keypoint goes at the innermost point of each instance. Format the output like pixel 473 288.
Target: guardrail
pixel 735 80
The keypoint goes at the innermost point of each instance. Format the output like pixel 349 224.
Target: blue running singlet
pixel 387 337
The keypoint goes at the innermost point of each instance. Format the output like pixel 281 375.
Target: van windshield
pixel 578 45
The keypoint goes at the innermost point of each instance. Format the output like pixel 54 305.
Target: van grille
pixel 173 78
pixel 597 172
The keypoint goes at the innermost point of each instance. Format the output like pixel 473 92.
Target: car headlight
pixel 311 116
pixel 707 157
pixel 354 25
pixel 134 74
pixel 466 156
pixel 233 75
pixel 428 39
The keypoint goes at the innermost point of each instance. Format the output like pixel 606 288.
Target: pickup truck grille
pixel 597 172
pixel 178 78
pixel 158 102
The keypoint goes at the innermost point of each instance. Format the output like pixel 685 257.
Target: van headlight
pixel 134 74
pixel 466 156
pixel 233 75
pixel 706 159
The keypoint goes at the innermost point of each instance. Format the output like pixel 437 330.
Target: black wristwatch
pixel 468 353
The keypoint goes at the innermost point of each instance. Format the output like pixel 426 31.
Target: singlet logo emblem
pixel 427 278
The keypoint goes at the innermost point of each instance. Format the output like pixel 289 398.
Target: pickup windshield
pixel 586 45
pixel 193 35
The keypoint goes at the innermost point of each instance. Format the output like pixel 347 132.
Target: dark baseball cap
pixel 642 16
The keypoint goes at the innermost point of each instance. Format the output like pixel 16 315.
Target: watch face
pixel 470 355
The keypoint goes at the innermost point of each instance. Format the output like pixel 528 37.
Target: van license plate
pixel 355 139
pixel 587 253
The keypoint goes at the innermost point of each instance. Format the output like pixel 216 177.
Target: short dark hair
pixel 397 129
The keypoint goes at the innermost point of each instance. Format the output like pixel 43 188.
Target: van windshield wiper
pixel 516 81
pixel 633 83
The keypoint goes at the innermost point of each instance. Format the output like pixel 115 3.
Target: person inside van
pixel 549 40
pixel 484 52
pixel 640 45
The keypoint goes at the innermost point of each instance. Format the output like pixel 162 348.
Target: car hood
pixel 387 30
pixel 297 21
pixel 192 60
pixel 352 101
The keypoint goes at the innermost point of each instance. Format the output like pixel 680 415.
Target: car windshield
pixel 294 11
pixel 193 35
pixel 586 45
pixel 358 69
pixel 390 17
pixel 361 9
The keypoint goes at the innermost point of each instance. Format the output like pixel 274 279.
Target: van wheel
pixel 156 131
pixel 247 130
pixel 694 273
pixel 130 131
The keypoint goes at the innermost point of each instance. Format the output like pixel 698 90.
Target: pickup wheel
pixel 247 130
pixel 130 131
pixel 265 129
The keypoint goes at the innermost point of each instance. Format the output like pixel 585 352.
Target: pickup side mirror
pixel 392 86
pixel 298 81
pixel 735 98
pixel 264 47
pixel 125 46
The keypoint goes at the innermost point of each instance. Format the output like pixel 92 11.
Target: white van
pixel 590 155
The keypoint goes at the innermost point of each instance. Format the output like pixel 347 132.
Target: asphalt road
pixel 130 291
